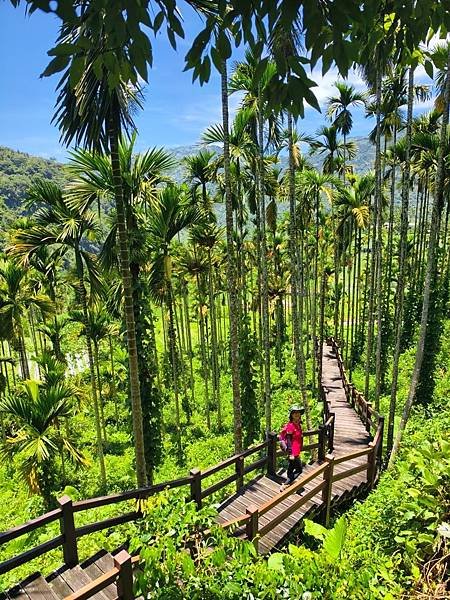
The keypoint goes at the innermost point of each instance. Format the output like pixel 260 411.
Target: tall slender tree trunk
pixel 264 276
pixel 24 367
pixel 438 205
pixel 376 237
pixel 174 361
pixel 98 430
pixel 113 379
pixel 100 391
pixel 294 282
pixel 378 244
pixel 400 296
pixel 231 268
pixel 124 254
pixel 214 344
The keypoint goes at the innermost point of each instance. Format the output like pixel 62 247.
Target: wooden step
pixel 33 588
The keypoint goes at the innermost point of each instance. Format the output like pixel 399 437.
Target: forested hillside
pixel 18 169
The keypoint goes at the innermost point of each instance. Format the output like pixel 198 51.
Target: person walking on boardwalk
pixel 291 441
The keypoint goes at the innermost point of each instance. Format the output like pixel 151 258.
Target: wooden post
pixel 321 453
pixel 371 466
pixel 367 424
pixel 326 412
pixel 196 487
pixel 380 444
pixel 122 561
pixel 328 489
pixel 331 433
pixel 353 396
pixel 252 524
pixel 67 526
pixel 272 439
pixel 239 465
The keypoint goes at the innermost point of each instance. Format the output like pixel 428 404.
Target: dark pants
pixel 294 468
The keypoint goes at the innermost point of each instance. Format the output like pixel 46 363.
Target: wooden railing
pixel 372 419
pixel 324 475
pixel 194 482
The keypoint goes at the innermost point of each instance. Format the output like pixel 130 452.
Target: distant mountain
pixel 18 169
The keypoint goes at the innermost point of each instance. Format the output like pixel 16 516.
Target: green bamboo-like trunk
pixel 214 347
pixel 297 339
pixel 376 241
pixel 400 295
pixel 98 429
pixel 233 311
pixel 124 256
pixel 100 391
pixel 264 274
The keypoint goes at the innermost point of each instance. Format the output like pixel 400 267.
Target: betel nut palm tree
pixel 56 224
pixel 91 181
pixel 94 105
pixel 173 213
pixel 37 440
pixel 16 297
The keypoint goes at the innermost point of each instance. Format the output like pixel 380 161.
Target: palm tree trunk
pixel 113 379
pixel 100 391
pixel 231 268
pixel 135 393
pixel 213 322
pixel 293 269
pixel 430 271
pixel 376 240
pixel 400 295
pixel 378 243
pixel 174 361
pixel 189 345
pixel 203 351
pixel 24 367
pixel 98 430
pixel 264 276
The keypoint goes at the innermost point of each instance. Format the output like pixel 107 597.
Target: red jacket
pixel 292 434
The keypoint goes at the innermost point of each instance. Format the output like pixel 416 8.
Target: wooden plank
pixel 17 593
pixel 76 578
pixel 94 572
pixel 60 587
pixel 105 562
pixel 38 589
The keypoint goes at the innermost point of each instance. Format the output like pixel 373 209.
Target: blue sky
pixel 176 111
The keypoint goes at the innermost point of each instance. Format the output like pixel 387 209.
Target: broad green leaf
pixel 275 561
pixel 316 530
pixel 76 70
pixel 334 540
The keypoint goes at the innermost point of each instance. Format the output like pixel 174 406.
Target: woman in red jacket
pixel 291 438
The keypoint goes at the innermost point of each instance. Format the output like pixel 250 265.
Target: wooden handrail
pixel 292 489
pixel 97 585
pixel 121 573
pixel 241 520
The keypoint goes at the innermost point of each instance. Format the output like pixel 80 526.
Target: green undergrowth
pixel 373 552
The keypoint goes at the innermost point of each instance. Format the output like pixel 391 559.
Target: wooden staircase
pixel 104 571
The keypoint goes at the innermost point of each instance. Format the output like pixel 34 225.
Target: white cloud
pixel 325 83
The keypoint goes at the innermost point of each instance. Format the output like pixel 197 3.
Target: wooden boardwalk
pixel 350 435
pixel 346 465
